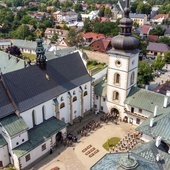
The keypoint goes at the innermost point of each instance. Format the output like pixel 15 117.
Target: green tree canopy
pixel 78 7
pixel 144 73
pixel 159 63
pixel 101 11
pixel 157 31
pixel 167 57
pixel 143 8
pixel 79 17
pixel 165 40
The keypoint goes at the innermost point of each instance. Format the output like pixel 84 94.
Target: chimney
pixel 158 141
pixel 158 157
pixel 155 111
pixel 146 87
pixel 165 101
pixel 151 122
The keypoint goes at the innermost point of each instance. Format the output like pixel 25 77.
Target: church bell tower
pixel 123 65
pixel 40 51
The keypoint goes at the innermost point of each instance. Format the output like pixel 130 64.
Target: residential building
pixel 152 38
pixel 69 16
pixel 167 32
pixel 159 18
pixel 62 34
pixel 89 36
pixel 155 49
pixel 101 45
pixel 5 44
pixel 36 103
pixel 92 15
pixel 140 19
pixel 26 46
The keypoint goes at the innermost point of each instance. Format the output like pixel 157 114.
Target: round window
pixel 118 63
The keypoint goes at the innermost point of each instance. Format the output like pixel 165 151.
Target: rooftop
pixel 13 124
pixel 157 47
pixel 2 141
pixel 39 134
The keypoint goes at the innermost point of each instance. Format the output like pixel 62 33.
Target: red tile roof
pixel 161 16
pixel 92 35
pixel 152 38
pixel 145 29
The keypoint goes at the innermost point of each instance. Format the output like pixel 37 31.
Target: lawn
pixel 110 143
pixel 95 66
pixel 29 56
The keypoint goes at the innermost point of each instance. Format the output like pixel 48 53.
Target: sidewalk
pixel 72 158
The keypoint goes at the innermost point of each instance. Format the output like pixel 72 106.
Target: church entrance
pixel 115 112
pixel 59 137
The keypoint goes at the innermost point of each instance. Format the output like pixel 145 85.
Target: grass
pixel 95 66
pixel 110 143
pixel 29 56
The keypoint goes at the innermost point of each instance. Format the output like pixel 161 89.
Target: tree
pixel 101 11
pixel 87 25
pixel 159 63
pixel 78 8
pixel 107 12
pixel 72 36
pixel 14 50
pixel 157 31
pixel 134 6
pixel 165 40
pixel 79 17
pixel 144 73
pixel 55 37
pixel 143 8
pixel 167 57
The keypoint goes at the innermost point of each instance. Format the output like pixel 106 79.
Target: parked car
pixel 156 74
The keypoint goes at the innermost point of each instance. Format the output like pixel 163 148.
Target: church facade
pixel 37 103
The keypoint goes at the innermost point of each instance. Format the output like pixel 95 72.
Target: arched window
pixel 117 78
pixel 85 93
pixel 132 77
pixel 74 98
pixel 85 87
pixel 62 105
pixel 61 99
pixel 74 92
pixel 115 95
pixel 33 117
pixel 43 112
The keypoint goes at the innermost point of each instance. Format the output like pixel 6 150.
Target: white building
pixel 36 104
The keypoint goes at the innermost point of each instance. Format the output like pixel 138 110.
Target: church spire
pixel 40 52
pixel 125 41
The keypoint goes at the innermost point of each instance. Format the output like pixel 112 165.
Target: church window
pixel 23 140
pixel 33 117
pixel 74 98
pixel 118 63
pixel 17 143
pixel 116 78
pixel 104 99
pixel 43 112
pixel 43 147
pixel 133 62
pixel 27 157
pixel 61 99
pixel 132 77
pixel 85 93
pixel 115 95
pixel 101 108
pixel 62 105
pixel 74 92
pixel 140 110
pixel 85 87
pixel 97 97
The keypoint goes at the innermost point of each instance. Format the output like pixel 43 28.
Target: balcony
pixel 136 115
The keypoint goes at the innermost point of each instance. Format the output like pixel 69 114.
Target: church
pixel 36 104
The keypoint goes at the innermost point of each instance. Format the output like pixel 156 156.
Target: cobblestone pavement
pixel 72 158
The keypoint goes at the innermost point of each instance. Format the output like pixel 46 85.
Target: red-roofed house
pixel 89 36
pixel 158 19
pixel 102 19
pixel 145 30
pixel 101 45
pixel 153 38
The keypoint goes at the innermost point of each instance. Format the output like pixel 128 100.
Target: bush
pixel 111 143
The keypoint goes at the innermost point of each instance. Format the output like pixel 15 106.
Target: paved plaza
pixel 69 158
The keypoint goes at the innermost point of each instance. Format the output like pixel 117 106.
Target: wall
pixel 4 155
pixel 100 57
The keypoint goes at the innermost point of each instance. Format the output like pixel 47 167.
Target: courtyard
pixel 75 157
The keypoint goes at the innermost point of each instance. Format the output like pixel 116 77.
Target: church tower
pixel 123 65
pixel 40 51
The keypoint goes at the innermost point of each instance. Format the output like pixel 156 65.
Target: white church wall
pixel 4 155
pixel 34 154
pixel 19 139
pixel 49 112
